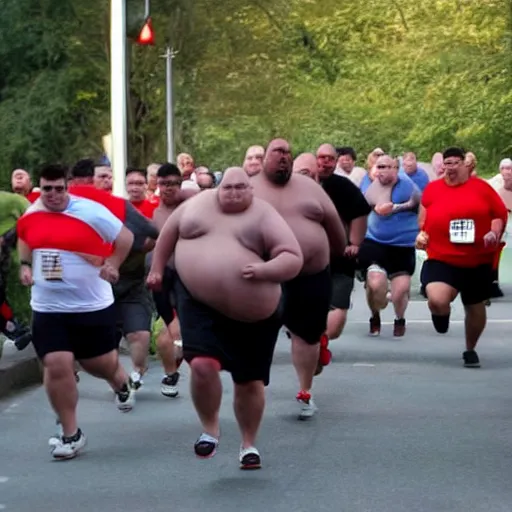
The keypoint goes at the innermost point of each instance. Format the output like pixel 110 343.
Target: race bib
pixel 462 231
pixel 51 266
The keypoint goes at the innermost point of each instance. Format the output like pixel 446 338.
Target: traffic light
pixel 146 35
pixel 139 25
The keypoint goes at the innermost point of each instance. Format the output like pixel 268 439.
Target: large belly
pixel 313 241
pixel 211 269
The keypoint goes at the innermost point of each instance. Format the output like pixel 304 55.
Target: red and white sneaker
pixel 307 406
pixel 325 356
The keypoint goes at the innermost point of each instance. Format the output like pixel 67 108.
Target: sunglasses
pixel 58 188
pixel 381 166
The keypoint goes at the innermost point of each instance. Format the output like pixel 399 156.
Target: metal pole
pixel 147 8
pixel 118 94
pixel 169 56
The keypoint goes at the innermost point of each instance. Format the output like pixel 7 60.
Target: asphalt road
pixel 402 426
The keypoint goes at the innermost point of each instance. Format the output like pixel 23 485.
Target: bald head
pixel 277 164
pixel 306 164
pixel 235 191
pixel 253 162
pixel 326 158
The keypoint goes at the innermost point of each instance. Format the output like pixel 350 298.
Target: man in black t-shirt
pixel 353 210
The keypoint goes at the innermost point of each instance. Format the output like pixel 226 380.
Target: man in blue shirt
pixel 415 173
pixel 388 252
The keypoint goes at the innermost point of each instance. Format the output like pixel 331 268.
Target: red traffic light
pixel 146 36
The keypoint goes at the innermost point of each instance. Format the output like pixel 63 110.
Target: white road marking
pixel 2 507
pixel 364 365
pixel 3 479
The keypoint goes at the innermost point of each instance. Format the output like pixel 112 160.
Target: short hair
pixel 168 169
pixel 133 170
pixel 54 172
pixel 454 152
pixel 83 169
pixel 346 151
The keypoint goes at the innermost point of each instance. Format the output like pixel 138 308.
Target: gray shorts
pixel 342 286
pixel 134 310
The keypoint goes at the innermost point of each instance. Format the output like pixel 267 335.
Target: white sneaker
pixel 249 458
pixel 65 450
pixel 125 400
pixel 136 380
pixel 169 385
pixel 307 408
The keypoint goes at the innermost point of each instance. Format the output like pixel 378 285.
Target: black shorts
pixel 342 286
pixel 85 335
pixel 243 349
pixel 395 260
pixel 473 283
pixel 305 305
pixel 165 301
pixel 134 310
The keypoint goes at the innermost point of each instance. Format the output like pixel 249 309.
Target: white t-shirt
pixel 356 175
pixel 65 282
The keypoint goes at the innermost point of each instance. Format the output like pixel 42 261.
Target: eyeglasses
pixel 171 183
pixel 382 166
pixel 58 188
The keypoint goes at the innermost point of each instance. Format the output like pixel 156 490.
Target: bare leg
pixel 249 404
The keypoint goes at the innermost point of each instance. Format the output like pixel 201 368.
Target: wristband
pixel 25 263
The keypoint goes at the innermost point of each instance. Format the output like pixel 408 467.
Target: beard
pixel 281 177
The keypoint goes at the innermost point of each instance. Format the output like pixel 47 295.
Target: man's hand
pixel 26 275
pixel 422 241
pixel 491 239
pixel 109 273
pixel 252 271
pixel 351 251
pixel 154 281
pixel 384 209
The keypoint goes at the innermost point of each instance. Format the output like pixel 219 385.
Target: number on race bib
pixel 462 231
pixel 51 266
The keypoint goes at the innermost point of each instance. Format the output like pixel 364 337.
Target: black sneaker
pixel 399 327
pixel 206 446
pixel 169 385
pixel 471 359
pixel 375 325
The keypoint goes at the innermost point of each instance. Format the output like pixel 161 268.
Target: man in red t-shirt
pixel 462 219
pixel 136 187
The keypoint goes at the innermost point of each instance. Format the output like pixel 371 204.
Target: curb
pixel 19 371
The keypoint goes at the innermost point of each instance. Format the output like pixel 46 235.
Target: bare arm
pixel 281 245
pixel 333 225
pixel 24 252
pixel 358 229
pixel 166 242
pixel 413 203
pixel 122 247
pixel 422 215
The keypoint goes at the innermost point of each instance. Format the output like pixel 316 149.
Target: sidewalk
pixel 18 369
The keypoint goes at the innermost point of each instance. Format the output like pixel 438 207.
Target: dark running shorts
pixel 396 261
pixel 165 301
pixel 85 335
pixel 474 283
pixel 342 286
pixel 134 310
pixel 305 305
pixel 243 349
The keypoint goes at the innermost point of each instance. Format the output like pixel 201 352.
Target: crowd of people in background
pixel 227 259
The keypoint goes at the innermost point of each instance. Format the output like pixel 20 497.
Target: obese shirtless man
pixel 228 304
pixel 168 345
pixel 310 213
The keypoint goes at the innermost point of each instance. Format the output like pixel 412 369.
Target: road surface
pixel 402 427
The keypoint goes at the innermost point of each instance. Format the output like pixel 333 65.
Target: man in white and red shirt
pixel 70 251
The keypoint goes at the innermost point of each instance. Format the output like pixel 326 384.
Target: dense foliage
pixel 399 74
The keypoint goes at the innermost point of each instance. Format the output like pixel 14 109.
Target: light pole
pixel 169 56
pixel 118 94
